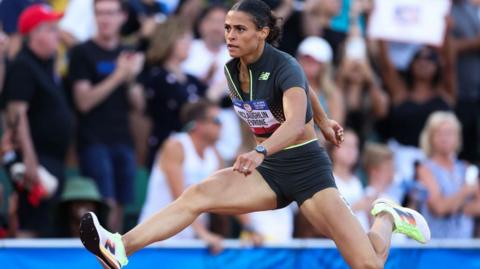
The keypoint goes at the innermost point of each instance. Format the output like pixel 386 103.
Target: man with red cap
pixel 38 115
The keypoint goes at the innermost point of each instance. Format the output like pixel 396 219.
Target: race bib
pixel 257 115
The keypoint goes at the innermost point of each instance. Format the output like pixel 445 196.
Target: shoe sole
pixel 91 240
pixel 422 223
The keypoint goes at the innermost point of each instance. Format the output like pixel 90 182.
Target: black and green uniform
pixel 298 172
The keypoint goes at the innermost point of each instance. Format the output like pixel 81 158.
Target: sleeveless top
pixel 270 76
pixel 195 169
pixel 455 225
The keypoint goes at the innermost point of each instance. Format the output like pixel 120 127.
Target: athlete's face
pixel 241 34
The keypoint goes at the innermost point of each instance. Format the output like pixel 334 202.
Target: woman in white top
pixel 184 160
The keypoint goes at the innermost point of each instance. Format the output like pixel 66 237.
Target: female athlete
pixel 270 92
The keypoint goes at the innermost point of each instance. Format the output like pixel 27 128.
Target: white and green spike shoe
pixel 108 247
pixel 407 221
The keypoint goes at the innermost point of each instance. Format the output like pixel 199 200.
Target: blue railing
pixel 299 254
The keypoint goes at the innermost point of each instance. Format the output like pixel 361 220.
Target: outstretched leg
pixel 327 211
pixel 226 192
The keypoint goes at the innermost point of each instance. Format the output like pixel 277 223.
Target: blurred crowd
pixel 118 106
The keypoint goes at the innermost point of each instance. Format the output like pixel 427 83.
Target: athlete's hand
pixel 332 131
pixel 247 162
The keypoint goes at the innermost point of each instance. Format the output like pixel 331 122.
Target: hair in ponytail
pixel 262 16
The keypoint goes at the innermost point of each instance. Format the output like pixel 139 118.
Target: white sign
pixel 410 21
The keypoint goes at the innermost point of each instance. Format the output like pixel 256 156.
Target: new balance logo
pixel 264 76
pixel 110 246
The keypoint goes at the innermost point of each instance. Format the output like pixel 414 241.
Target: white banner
pixel 410 21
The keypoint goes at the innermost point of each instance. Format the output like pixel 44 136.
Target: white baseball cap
pixel 317 48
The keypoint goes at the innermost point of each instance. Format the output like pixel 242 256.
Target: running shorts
pixel 297 173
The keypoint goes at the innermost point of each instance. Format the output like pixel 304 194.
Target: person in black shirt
pixel 36 103
pixel 167 86
pixel 102 73
pixel 271 93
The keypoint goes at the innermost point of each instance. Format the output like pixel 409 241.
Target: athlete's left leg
pixel 328 212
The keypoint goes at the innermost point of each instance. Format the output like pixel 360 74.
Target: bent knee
pixel 196 198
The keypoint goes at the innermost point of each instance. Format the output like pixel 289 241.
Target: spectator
pixel 453 200
pixel 315 55
pixel 377 160
pixel 102 72
pixel 143 15
pixel 365 101
pixel 188 11
pixel 38 114
pixel 466 34
pixel 313 20
pixel 79 197
pixel 184 160
pixel 206 61
pixel 208 54
pixel 10 11
pixel 428 87
pixel 344 159
pixel 167 86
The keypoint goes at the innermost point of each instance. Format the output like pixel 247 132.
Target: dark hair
pixel 262 17
pixel 432 56
pixel 192 112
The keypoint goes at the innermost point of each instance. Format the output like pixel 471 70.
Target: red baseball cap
pixel 32 16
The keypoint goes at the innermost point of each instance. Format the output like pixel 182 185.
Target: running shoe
pixel 407 221
pixel 106 246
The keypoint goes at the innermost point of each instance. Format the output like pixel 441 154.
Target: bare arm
pixel 472 208
pixel 128 65
pixel 284 10
pixel 17 112
pixel 379 98
pixel 463 45
pixel 136 97
pixel 449 87
pixel 390 75
pixel 319 114
pixel 336 106
pixel 439 204
pixel 88 96
pixel 331 130
pixel 3 55
pixel 171 163
pixel 294 108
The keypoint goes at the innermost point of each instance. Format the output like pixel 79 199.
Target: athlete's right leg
pixel 225 192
